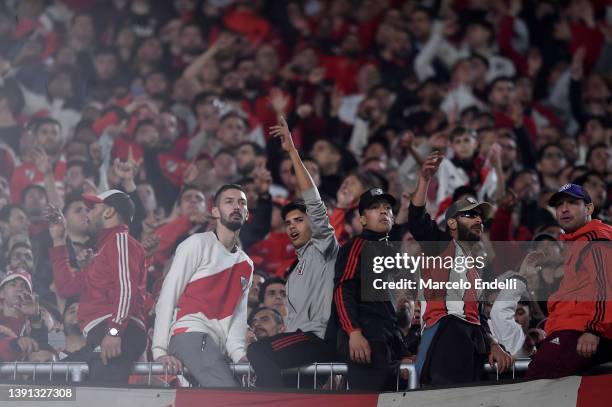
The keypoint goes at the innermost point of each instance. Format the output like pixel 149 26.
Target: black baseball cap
pixel 573 190
pixel 466 204
pixel 114 198
pixel 373 195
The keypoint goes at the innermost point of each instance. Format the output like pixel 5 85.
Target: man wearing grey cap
pixel 111 287
pixel 454 344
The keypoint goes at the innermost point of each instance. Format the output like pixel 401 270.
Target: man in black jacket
pixel 369 338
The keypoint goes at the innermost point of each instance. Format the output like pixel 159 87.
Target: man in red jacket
pixel 579 325
pixel 111 287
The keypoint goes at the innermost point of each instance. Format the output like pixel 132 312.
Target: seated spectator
pixel 578 327
pixel 75 347
pixel 23 331
pixel 265 323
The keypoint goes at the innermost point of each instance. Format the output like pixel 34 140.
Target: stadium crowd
pixel 194 181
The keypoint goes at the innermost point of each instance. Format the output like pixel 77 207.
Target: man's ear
pixel 590 208
pixel 451 224
pixel 362 220
pixel 109 212
pixel 282 328
pixel 246 217
pixel 215 212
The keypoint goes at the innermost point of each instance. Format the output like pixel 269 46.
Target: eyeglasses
pixel 470 214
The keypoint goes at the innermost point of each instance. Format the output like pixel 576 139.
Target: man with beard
pixel 111 288
pixel 201 313
pixel 79 243
pixel 266 322
pixel 454 345
pixel 75 344
pixel 48 139
pixel 309 288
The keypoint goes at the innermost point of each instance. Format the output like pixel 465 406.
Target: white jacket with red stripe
pixel 205 290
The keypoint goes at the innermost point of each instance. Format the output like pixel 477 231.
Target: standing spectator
pixel 578 328
pixel 209 284
pixel 111 287
pixel 370 339
pixel 309 285
pixel 453 344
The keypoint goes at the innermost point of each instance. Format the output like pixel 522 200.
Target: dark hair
pixel 142 123
pixel 517 174
pixel 257 149
pixel 546 146
pixel 265 284
pixel 423 9
pixel 487 26
pixel 71 199
pixel 497 80
pixel 202 98
pixel 5 212
pixel 292 206
pixel 185 189
pixel 463 190
pixel 234 114
pixel 39 122
pixel 593 148
pixel 106 50
pixel 581 180
pixel 31 187
pixel 16 246
pixel 460 131
pixel 227 187
pixel 89 171
pixel 278 318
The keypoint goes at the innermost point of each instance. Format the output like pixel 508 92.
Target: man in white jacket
pixel 201 313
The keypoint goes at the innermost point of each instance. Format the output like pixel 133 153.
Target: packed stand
pixel 192 182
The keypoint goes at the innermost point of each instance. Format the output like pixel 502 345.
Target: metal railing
pixel 76 371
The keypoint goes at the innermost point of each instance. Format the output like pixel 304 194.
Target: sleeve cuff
pixel 120 327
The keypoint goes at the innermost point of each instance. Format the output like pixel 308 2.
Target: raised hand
pixel 263 180
pixel 41 160
pixel 278 100
pixel 430 166
pixel 57 225
pixel 281 130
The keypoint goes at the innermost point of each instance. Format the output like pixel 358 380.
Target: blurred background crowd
pixel 168 100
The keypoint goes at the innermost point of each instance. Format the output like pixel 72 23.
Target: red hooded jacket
pixel 581 303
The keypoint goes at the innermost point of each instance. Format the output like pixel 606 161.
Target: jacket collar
pixel 595 226
pixel 104 233
pixel 368 234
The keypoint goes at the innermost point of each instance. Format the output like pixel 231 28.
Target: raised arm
pixel 281 130
pixel 68 281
